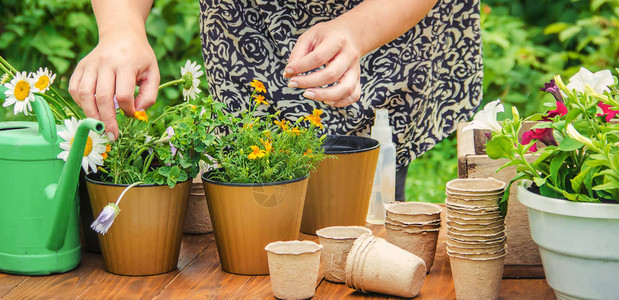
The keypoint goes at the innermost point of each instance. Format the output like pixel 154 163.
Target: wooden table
pixel 199 276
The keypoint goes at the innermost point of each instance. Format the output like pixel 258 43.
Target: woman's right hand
pixel 122 60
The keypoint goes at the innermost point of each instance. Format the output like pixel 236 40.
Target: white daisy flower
pixel 20 91
pixel 191 72
pixel 94 150
pixel 43 79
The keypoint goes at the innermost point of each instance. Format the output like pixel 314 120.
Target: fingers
pixel 149 86
pixel 105 89
pixel 85 93
pixel 125 89
pixel 330 74
pixel 345 92
pixel 317 57
pixel 301 48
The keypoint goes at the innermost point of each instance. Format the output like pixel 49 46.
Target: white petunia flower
pixel 574 134
pixel 20 92
pixel 94 150
pixel 486 118
pixel 598 81
pixel 191 72
pixel 43 79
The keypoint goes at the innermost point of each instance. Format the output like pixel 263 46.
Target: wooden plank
pixel 91 281
pixel 9 282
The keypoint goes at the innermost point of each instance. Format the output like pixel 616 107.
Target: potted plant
pixel 572 189
pixel 256 195
pixel 150 167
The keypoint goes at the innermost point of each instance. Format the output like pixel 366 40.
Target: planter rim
pixel 566 207
pixel 211 181
pixel 304 247
pixel 94 181
pixel 371 144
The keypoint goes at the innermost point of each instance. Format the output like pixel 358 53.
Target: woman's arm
pixel 122 60
pixel 341 42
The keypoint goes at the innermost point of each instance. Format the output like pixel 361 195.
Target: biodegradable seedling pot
pixel 475 224
pixel 476 244
pixel 411 212
pixel 388 269
pixel 472 208
pixel 485 231
pixel 477 279
pixel 247 217
pixel 145 238
pixel 293 268
pixel 422 244
pixel 473 201
pixel 453 214
pixel 413 227
pixel 430 223
pixel 474 186
pixel 338 193
pixel 468 250
pixel 353 258
pixel 475 237
pixel 337 241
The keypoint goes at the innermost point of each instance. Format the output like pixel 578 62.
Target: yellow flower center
pixel 88 147
pixel 22 89
pixel 42 83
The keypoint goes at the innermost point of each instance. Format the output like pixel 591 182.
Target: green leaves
pixel 500 147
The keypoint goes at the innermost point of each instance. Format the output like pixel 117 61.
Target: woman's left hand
pixel 332 45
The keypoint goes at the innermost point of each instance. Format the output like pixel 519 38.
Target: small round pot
pixel 413 212
pixel 577 242
pixel 145 238
pixel 248 216
pixel 294 268
pixel 337 241
pixel 338 193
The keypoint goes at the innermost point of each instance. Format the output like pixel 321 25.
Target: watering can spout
pixel 67 184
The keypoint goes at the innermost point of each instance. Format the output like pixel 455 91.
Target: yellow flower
pixel 267 145
pixel 315 118
pixel 258 86
pixel 141 115
pixel 295 131
pixel 108 148
pixel 248 126
pixel 260 99
pixel 256 153
pixel 283 124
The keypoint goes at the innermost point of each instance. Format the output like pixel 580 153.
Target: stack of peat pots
pixel 375 265
pixel 414 227
pixel 476 236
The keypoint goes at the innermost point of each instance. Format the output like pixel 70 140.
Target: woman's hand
pixel 331 45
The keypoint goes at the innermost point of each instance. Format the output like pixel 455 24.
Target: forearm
pixel 374 23
pixel 115 15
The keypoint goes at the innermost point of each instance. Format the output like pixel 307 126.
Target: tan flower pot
pixel 467 216
pixel 434 223
pixel 475 186
pixel 337 241
pixel 247 217
pixel 485 231
pixel 480 201
pixel 293 268
pixel 411 212
pixel 422 244
pixel 339 191
pixel 476 237
pixel 477 279
pixel 385 268
pixel 145 238
pixel 474 224
pixel 412 227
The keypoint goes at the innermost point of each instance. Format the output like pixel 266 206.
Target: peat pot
pixel 248 216
pixel 338 193
pixel 145 238
pixel 578 244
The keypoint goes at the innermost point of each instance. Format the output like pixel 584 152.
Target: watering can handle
pixel 45 118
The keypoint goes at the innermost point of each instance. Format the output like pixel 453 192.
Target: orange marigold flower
pixel 295 131
pixel 108 148
pixel 283 124
pixel 256 153
pixel 308 153
pixel 248 126
pixel 258 86
pixel 141 115
pixel 104 155
pixel 260 99
pixel 315 118
pixel 267 145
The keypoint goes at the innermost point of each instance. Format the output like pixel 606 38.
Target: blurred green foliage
pixel 525 43
pixel 57 33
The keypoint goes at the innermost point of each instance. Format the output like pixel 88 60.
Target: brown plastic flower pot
pixel 145 238
pixel 337 241
pixel 247 217
pixel 293 267
pixel 338 193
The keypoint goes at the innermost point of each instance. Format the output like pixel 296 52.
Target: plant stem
pixel 6 64
pixel 66 103
pixel 173 82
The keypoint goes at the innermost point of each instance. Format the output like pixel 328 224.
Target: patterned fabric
pixel 429 78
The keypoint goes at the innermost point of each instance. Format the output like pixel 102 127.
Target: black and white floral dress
pixel 430 78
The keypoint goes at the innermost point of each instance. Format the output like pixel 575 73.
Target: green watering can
pixel 39 231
